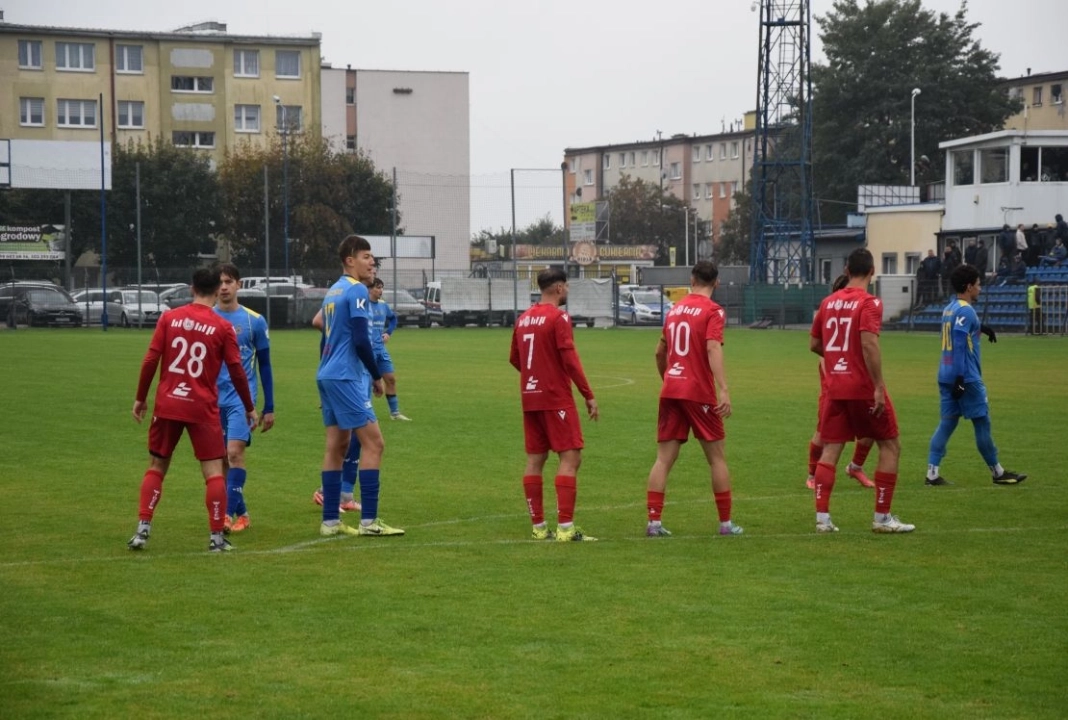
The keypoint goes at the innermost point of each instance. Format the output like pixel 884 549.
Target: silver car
pixel 125 307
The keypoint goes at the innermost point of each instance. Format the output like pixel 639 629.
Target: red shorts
pixel 677 417
pixel 556 430
pixel 844 420
pixel 206 437
pixel 820 409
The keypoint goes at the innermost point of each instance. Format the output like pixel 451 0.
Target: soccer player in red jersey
pixel 190 345
pixel 694 396
pixel 543 351
pixel 845 333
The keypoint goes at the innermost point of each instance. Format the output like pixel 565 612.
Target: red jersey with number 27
pixel 842 317
pixel 543 351
pixel 190 345
pixel 688 327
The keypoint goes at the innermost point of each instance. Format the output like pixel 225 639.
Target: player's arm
pixel 148 370
pixel 391 324
pixel 359 325
pixel 232 358
pixel 873 360
pixel 719 375
pixel 263 360
pixel 573 365
pixel 661 356
pixel 513 357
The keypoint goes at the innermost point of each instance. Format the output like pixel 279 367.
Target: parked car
pixel 176 296
pixel 305 303
pixel 125 307
pixel 408 310
pixel 10 289
pixel 41 304
pixel 642 305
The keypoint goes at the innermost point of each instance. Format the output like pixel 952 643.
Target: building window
pixel 622 159
pixel 587 177
pixel 76 113
pixel 994 165
pixel 129 59
pixel 289 118
pixel 912 263
pixel 247 118
pixel 697 153
pixel 675 170
pixel 734 188
pixel 188 83
pixel 723 189
pixel 723 151
pixel 734 149
pixel 1015 93
pixel 1036 96
pixel 31 112
pixel 963 168
pixel 697 191
pixel 889 263
pixel 350 96
pixel 350 143
pixel 1043 164
pixel 131 114
pixel 246 63
pixel 30 54
pixel 191 138
pixel 607 161
pixel 76 57
pixel 710 153
pixel 1055 96
pixel 708 190
pixel 656 158
pixel 645 158
pixel 287 63
pixel 632 163
pixel 571 166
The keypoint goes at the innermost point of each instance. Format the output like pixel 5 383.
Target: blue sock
pixel 235 491
pixel 940 439
pixel 331 494
pixel 350 467
pixel 369 494
pixel 394 404
pixel 984 441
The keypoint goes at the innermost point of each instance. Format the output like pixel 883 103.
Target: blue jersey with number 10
pixel 346 299
pixel 960 344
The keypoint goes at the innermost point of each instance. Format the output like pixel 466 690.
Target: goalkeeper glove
pixel 989 332
pixel 958 388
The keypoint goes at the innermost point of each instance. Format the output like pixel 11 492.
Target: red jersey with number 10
pixel 688 327
pixel 190 345
pixel 543 351
pixel 842 317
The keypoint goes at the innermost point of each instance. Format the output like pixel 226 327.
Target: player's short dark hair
pixel 705 272
pixel 550 276
pixel 378 283
pixel 963 276
pixel 352 245
pixel 860 263
pixel 228 269
pixel 206 282
pixel 839 282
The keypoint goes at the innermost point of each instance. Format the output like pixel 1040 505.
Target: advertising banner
pixel 32 242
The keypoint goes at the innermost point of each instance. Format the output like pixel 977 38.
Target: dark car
pixel 408 310
pixel 43 305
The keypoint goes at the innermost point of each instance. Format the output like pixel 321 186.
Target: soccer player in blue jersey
pixel 347 360
pixel 385 322
pixel 960 380
pixel 255 346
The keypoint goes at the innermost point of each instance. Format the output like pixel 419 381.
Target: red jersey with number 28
pixel 190 345
pixel 842 317
pixel 688 327
pixel 543 351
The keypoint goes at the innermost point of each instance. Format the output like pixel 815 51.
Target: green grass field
pixel 466 617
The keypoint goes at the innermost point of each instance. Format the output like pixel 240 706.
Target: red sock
pixel 565 498
pixel 884 491
pixel 723 505
pixel 860 454
pixel 824 485
pixel 655 503
pixel 532 488
pixel 215 500
pixel 814 453
pixel 151 491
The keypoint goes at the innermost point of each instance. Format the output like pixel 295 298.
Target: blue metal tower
pixel 783 245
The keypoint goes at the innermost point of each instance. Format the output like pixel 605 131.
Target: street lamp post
pixel 912 135
pixel 285 186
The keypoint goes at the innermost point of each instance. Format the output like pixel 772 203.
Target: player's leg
pixel 565 439
pixel 721 484
pixel 883 428
pixel 389 380
pixel 855 469
pixel 667 452
pixel 372 447
pixel 533 487
pixel 950 412
pixel 338 399
pixel 815 450
pixel 163 436
pixel 209 448
pixel 236 474
pixel 985 442
pixel 835 431
pixel 349 472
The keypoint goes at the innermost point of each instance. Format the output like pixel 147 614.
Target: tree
pixel 331 195
pixel 542 231
pixel 640 213
pixel 876 54
pixel 735 241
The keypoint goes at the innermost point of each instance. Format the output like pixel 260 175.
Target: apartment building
pixel 704 171
pixel 1043 101
pixel 197 87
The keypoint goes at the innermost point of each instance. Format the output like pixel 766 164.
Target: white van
pixel 260 281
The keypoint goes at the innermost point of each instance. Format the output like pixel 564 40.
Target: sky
pixel 555 74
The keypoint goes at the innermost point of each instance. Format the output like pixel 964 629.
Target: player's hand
pixel 385 337
pixel 878 402
pixel 592 409
pixel 252 418
pixel 958 388
pixel 989 332
pixel 138 411
pixel 379 388
pixel 266 421
pixel 723 409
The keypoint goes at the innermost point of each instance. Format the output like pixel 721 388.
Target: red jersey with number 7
pixel 688 327
pixel 838 323
pixel 190 345
pixel 543 351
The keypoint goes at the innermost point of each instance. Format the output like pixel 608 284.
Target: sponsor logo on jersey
pixel 532 384
pixel 182 390
pixel 676 370
pixel 188 324
pixel 527 320
pixel 840 305
pixel 562 414
pixel 960 321
pixel 841 365
pixel 684 310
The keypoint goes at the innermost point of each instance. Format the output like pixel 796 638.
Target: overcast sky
pixel 556 74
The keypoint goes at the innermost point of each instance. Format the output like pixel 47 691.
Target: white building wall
pixel 333 107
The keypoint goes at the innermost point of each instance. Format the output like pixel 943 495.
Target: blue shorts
pixel 973 404
pixel 384 362
pixel 346 404
pixel 234 424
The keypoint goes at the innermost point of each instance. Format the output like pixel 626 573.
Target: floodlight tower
pixel 783 244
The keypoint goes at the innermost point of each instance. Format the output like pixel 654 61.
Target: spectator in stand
pixel 970 252
pixel 1060 230
pixel 1019 270
pixel 981 258
pixel 1006 243
pixel 1056 256
pixel 950 261
pixel 928 276
pixel 1021 242
pixel 1004 271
